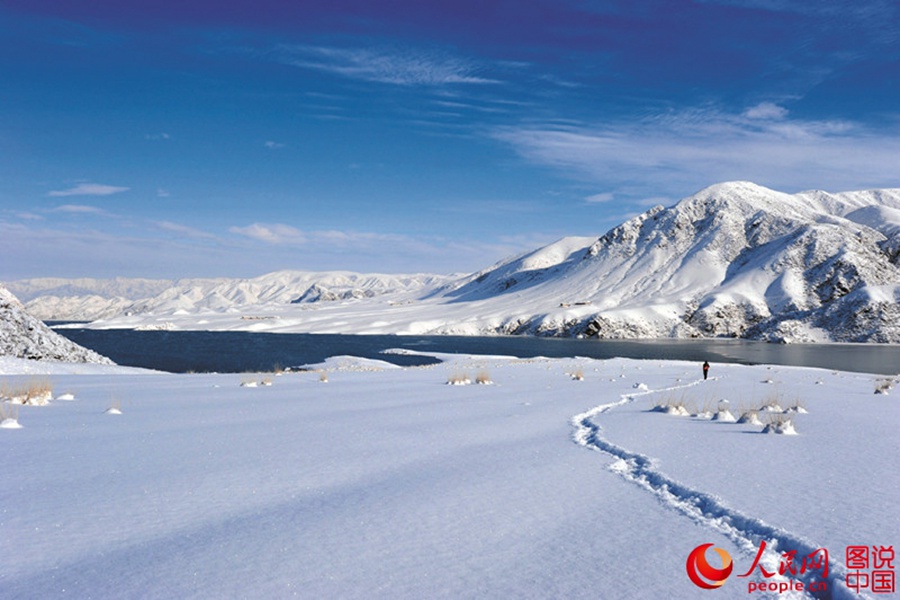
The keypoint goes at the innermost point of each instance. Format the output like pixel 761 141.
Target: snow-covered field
pixel 389 483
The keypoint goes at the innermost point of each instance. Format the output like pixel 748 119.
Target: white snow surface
pixel 734 260
pixel 391 484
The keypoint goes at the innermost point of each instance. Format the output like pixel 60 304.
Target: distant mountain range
pixel 91 299
pixel 734 260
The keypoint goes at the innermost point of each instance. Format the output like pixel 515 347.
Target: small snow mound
pixel 671 409
pixel 351 363
pixel 641 386
pixel 112 411
pixel 724 416
pixel 750 418
pixel 704 414
pixel 10 423
pixel 41 399
pixel 799 410
pixel 785 427
pixel 66 397
pixel 884 386
pixel 249 384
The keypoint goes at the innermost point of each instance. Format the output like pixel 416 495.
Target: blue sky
pixel 186 139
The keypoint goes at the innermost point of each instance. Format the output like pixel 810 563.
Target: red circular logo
pixel 705 575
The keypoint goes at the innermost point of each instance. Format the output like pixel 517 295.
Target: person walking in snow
pixel 705 369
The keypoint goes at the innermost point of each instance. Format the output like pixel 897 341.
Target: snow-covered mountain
pixel 23 336
pixel 92 299
pixel 735 260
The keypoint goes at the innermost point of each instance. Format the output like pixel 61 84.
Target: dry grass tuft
pixel 115 406
pixel 750 417
pixel 797 406
pixel 885 385
pixel 672 406
pixel 772 403
pixel 483 378
pixel 9 412
pixel 36 392
pixel 459 378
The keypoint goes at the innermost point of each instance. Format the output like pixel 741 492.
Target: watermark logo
pixel 869 568
pixel 702 573
pixel 872 570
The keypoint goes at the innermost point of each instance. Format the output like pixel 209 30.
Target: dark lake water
pixel 238 351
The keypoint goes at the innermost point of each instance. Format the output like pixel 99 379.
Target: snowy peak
pixel 8 301
pixel 735 259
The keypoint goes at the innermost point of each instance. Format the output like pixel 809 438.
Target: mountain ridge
pixel 733 260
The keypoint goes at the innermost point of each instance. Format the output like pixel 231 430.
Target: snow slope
pixel 391 484
pixel 23 336
pixel 734 260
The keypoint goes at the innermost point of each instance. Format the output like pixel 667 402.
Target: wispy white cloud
pixel 679 153
pixel 398 66
pixel 35 249
pixel 273 145
pixel 766 110
pixel 286 235
pixel 81 209
pixel 88 189
pixel 157 136
pixel 271 234
pixel 405 253
pixel 26 215
pixel 90 251
pixel 183 230
pixel 600 198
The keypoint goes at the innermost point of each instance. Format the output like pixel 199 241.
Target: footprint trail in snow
pixel 708 510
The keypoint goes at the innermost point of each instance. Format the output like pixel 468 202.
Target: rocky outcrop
pixel 23 336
